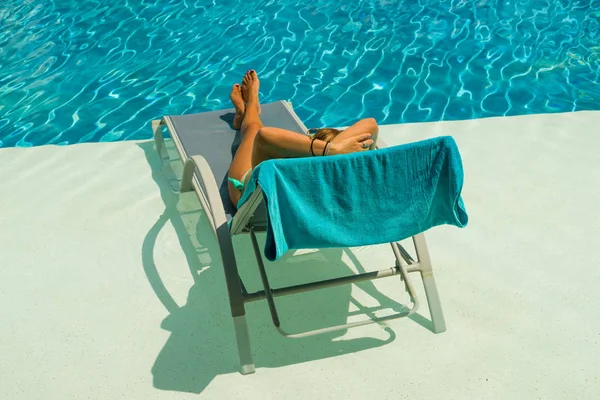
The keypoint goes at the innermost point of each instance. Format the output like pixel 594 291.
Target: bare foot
pixel 250 86
pixel 238 103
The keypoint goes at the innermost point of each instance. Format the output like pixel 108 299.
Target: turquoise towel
pixel 360 199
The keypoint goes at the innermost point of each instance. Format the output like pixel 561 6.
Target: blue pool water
pixel 100 70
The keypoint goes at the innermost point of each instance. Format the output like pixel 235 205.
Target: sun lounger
pixel 206 142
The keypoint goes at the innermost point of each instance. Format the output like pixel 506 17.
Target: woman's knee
pixel 264 137
pixel 261 148
pixel 267 144
pixel 265 140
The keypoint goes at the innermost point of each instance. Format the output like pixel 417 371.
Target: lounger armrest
pixel 207 190
pixel 246 211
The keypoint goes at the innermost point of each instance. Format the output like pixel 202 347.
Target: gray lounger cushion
pixel 211 135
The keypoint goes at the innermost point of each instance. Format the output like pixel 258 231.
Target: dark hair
pixel 324 134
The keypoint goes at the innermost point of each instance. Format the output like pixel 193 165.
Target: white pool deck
pixel 105 295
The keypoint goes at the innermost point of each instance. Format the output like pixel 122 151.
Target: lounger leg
pixel 433 298
pixel 236 300
pixel 243 343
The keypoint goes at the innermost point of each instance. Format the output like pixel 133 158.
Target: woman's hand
pixel 353 144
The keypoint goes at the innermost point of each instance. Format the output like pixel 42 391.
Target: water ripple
pixel 92 70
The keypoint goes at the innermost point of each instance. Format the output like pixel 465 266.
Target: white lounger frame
pixel 203 183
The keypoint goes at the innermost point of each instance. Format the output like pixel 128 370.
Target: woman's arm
pixel 281 143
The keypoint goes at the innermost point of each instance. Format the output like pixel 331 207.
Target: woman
pixel 261 143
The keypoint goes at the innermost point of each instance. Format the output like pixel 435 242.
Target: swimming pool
pixel 100 70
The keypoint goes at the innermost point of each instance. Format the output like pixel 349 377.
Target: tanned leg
pixel 238 103
pixel 250 124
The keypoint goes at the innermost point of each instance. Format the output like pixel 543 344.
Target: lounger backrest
pixel 211 135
